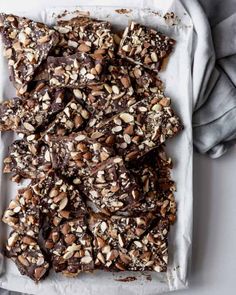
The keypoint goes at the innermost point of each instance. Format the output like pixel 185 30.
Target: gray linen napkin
pixel 214 117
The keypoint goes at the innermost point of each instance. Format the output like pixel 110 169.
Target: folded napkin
pixel 214 76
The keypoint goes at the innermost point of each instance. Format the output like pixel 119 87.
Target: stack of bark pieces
pixel 94 118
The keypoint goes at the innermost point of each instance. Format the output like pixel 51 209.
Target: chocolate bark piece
pixel 28 159
pixel 125 85
pixel 151 252
pixel 59 200
pixel 112 237
pixel 106 100
pixel 75 155
pixel 145 46
pixel 9 118
pixel 111 187
pixel 73 118
pixel 23 213
pixel 153 172
pixel 75 71
pixel 139 129
pixel 26 253
pixel 84 34
pixel 27 43
pixel 141 79
pixel 34 111
pixel 70 246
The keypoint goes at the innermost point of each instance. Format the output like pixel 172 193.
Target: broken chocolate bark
pixel 74 71
pixel 153 173
pixel 59 200
pixel 106 100
pixel 111 187
pixel 28 159
pixel 142 127
pixel 84 34
pixel 112 237
pixel 151 252
pixel 125 85
pixel 75 155
pixel 34 111
pixel 9 120
pixel 141 79
pixel 27 43
pixel 145 46
pixel 26 253
pixel 70 247
pixel 23 213
pixel 72 118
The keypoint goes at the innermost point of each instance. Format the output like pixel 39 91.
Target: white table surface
pixel 214 238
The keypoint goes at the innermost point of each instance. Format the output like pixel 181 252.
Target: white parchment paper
pixel 177 78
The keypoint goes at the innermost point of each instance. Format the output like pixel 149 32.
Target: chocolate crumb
pixel 123 11
pixel 149 278
pixel 127 279
pixel 171 19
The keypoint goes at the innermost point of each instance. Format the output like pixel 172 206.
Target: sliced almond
pixel 115 89
pixel 113 254
pixel 101 258
pixel 154 57
pixel 98 68
pixel 86 259
pixel 53 193
pixel 131 156
pixel 104 156
pixel 127 138
pixel 108 88
pixel 28 126
pixel 101 243
pixel 63 30
pixel 165 101
pixel 126 117
pixel 47 156
pixel 12 240
pixel 43 39
pixel 157 268
pixel 23 260
pixel 137 73
pixel 126 48
pixel 129 130
pixel 90 76
pixel 80 137
pixel 103 226
pixel 68 255
pixel 78 93
pixel 116 129
pixel 63 204
pixel 72 43
pixel 121 242
pixel 84 48
pixel 125 82
pixel 39 272
pixel 157 107
pixel 124 258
